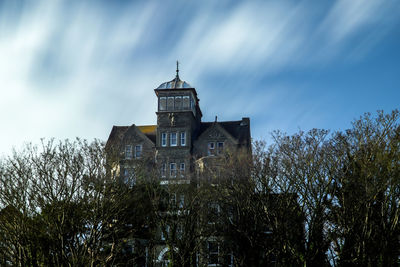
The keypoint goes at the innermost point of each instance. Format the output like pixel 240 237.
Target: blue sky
pixel 76 68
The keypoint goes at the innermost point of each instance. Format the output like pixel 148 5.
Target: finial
pixel 177 69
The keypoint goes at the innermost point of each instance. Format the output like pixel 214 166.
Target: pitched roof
pixel 240 130
pixel 116 135
pixel 118 132
pixel 149 131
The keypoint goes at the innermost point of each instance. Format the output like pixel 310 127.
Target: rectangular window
pixel 129 177
pixel 138 151
pixel 172 169
pixel 182 169
pixel 178 102
pixel 128 152
pixel 170 103
pixel 172 139
pixel 163 170
pixel 172 199
pixel 163 236
pixel 220 147
pixel 183 139
pixel 213 212
pixel 211 148
pixel 186 102
pixel 213 250
pixel 163 139
pixel 163 103
pixel 181 201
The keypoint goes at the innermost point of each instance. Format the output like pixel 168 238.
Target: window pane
pixel 138 151
pixel 186 102
pixel 128 152
pixel 220 147
pixel 163 103
pixel 163 169
pixel 182 169
pixel 178 102
pixel 211 148
pixel 173 139
pixel 212 252
pixel 181 201
pixel 183 139
pixel 172 168
pixel 170 103
pixel 164 139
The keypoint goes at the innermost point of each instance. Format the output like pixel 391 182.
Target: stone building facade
pixel 180 137
pixel 179 140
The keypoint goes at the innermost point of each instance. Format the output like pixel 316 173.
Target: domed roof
pixel 174 84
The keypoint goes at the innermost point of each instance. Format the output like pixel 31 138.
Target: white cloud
pixel 74 69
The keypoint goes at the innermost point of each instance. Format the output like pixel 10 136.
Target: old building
pixel 178 144
pixel 180 137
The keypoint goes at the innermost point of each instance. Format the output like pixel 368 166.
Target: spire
pixel 177 70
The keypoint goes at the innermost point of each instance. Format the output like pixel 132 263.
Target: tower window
pixel 163 103
pixel 172 169
pixel 163 139
pixel 138 151
pixel 128 152
pixel 178 102
pixel 170 103
pixel 183 139
pixel 173 139
pixel 186 102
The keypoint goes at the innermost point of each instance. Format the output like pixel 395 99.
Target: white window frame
pixel 170 100
pixel 140 150
pixel 128 152
pixel 164 139
pixel 181 201
pixel 165 107
pixel 182 169
pixel 178 99
pixel 213 253
pixel 172 169
pixel 172 139
pixel 188 102
pixel 162 232
pixel 183 138
pixel 164 170
pixel 211 148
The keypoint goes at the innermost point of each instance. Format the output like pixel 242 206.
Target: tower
pixel 178 122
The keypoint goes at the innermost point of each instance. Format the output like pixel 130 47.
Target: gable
pixel 133 135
